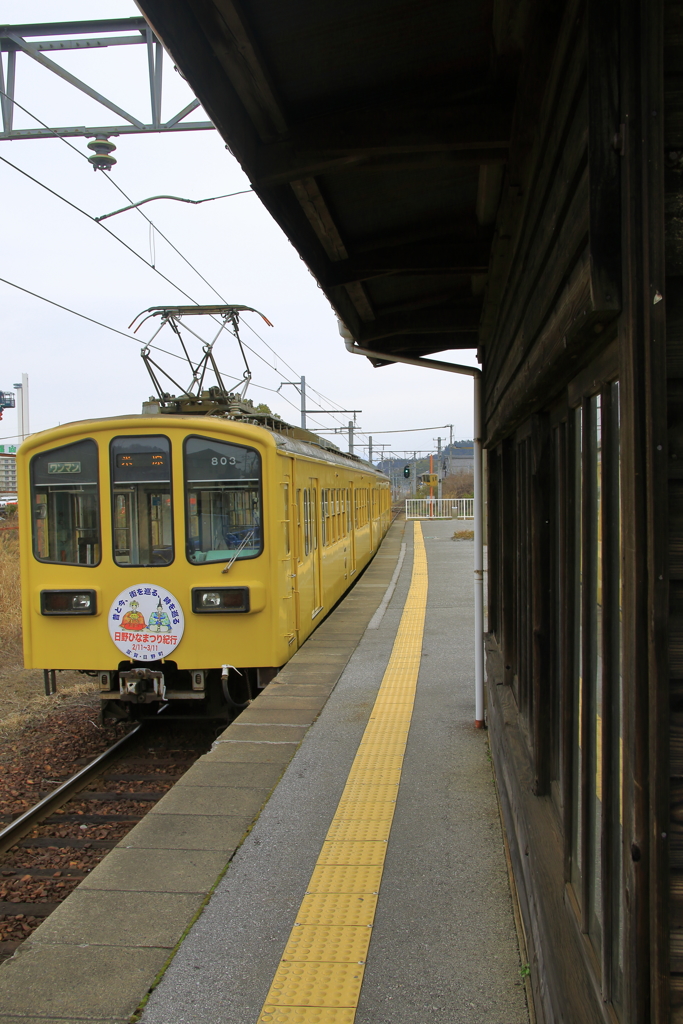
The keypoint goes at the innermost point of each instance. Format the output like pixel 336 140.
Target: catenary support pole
pixel 303 403
pixel 475 372
pixel 478 562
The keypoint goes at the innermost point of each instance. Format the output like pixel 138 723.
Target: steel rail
pixel 18 828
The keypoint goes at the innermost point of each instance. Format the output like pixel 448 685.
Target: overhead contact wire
pixel 140 257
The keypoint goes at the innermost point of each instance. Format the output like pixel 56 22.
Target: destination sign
pixel 140 460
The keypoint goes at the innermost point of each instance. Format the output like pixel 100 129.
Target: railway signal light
pixel 406 472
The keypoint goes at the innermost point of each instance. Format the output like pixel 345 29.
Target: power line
pixel 115 330
pixel 140 257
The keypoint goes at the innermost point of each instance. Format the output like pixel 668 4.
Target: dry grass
pixel 458 485
pixel 22 698
pixel 10 591
pixel 27 708
pixel 463 535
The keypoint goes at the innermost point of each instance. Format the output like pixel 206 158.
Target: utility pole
pixel 300 385
pixel 439 467
pixel 352 427
pixel 23 428
pixel 370 449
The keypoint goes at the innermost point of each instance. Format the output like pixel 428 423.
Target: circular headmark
pixel 146 622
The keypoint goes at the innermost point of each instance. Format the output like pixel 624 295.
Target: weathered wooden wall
pixel 577 300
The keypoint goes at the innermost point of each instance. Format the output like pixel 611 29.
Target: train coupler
pixel 142 685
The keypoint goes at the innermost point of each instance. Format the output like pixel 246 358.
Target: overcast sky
pixel 77 369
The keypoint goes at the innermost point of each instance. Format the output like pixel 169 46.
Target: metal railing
pixel 440 508
pixel 464 508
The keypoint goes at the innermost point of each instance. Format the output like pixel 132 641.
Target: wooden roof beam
pixel 279 166
pixel 319 217
pixel 440 258
pixel 470 133
pixel 416 345
pixel 237 53
pixel 444 320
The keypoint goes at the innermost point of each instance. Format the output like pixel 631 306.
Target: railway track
pixel 47 850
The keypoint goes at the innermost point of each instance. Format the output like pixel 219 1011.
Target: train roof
pixel 284 438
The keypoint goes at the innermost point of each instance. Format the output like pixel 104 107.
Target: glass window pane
pixel 142 504
pixel 65 504
pixel 577 673
pixel 613 532
pixel 595 679
pixel 307 521
pixel 285 498
pixel 223 492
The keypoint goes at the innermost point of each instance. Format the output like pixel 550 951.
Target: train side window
pixel 65 504
pixel 142 504
pixel 285 521
pixel 307 521
pixel 337 517
pixel 324 515
pixel 223 501
pixel 299 541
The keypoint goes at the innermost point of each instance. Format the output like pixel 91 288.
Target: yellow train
pixel 184 556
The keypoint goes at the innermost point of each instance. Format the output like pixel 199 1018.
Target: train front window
pixel 142 506
pixel 223 493
pixel 65 504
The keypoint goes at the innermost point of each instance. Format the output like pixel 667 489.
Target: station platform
pixel 337 856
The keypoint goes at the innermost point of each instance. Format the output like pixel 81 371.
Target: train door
pixel 315 547
pixel 351 523
pixel 288 560
pixel 373 518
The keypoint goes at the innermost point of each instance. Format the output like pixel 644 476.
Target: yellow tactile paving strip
pixel 320 976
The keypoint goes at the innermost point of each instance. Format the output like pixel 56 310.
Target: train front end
pixel 146 560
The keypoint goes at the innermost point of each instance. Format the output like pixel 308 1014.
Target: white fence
pixel 440 508
pixel 465 508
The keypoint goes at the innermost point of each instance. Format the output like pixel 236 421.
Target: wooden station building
pixel 507 175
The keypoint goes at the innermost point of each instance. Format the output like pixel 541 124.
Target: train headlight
pixel 220 599
pixel 68 602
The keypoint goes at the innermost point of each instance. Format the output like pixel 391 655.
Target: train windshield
pixel 141 495
pixel 65 504
pixel 223 488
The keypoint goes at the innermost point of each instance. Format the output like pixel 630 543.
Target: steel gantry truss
pixel 35 41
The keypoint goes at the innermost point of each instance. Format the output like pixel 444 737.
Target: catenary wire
pixel 152 225
pixel 123 334
pixel 150 264
pixel 140 257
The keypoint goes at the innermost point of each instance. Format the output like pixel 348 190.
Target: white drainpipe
pixel 475 372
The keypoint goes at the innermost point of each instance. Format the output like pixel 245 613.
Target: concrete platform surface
pixel 98 954
pixel 444 946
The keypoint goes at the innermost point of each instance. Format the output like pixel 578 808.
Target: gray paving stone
pixel 265 753
pixel 169 871
pixel 265 731
pixel 120 919
pixel 86 982
pixel 233 774
pixel 293 703
pixel 17 1019
pixel 187 832
pixel 263 713
pixel 212 800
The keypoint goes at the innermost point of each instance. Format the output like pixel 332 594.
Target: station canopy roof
pixel 377 133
